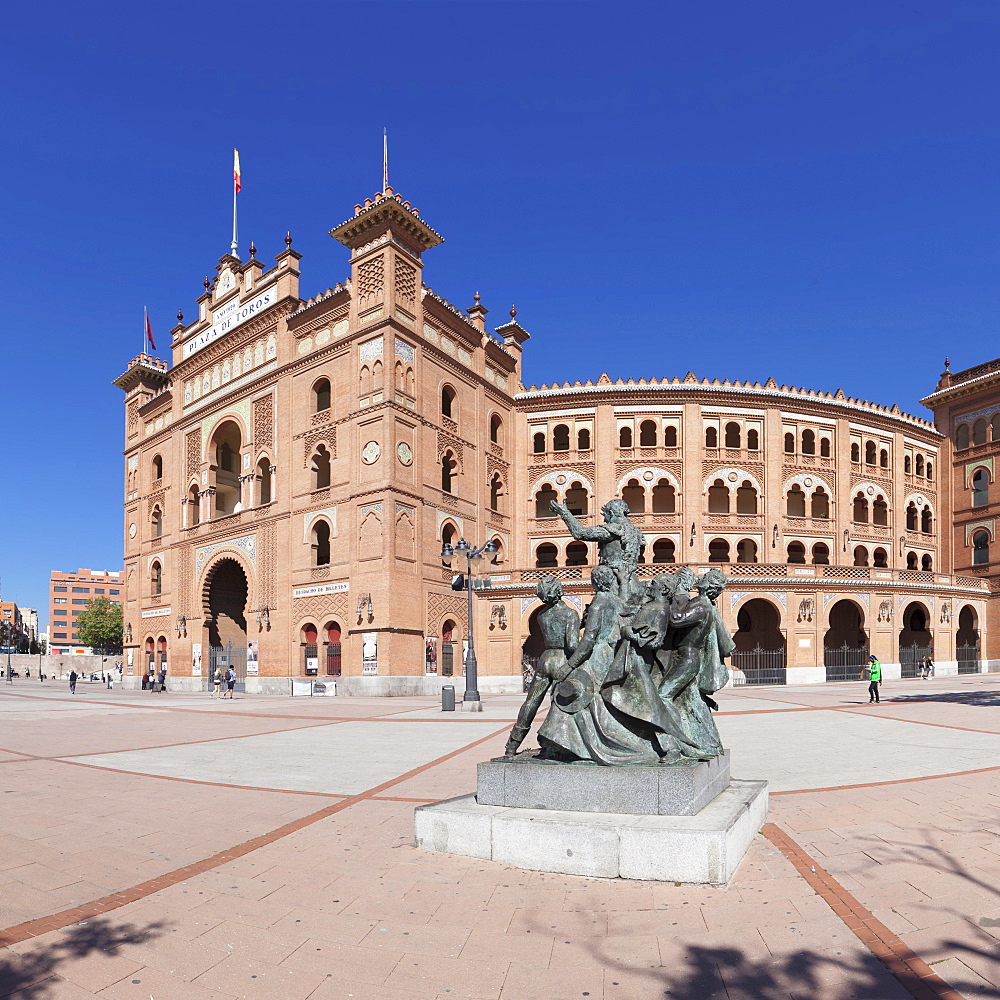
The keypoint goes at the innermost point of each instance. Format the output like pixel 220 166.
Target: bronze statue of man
pixel 559 625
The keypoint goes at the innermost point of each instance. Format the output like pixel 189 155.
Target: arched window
pixel 321 395
pixel 400 380
pixel 962 436
pixel 263 481
pixel 543 498
pixel 498 555
pixel 378 375
pixel 979 432
pixel 546 556
pixel 538 443
pixel 194 506
pixel 448 535
pixel 718 499
pixel 995 427
pixel 448 466
pixel 448 402
pixel 880 558
pixel 746 551
pixel 855 452
pixel 321 543
pixel 926 563
pixel 647 434
pixel 911 560
pixel 157 522
pixel 753 440
pixel 733 435
pixel 796 552
pixel 321 468
pixel 664 498
pixel 496 429
pixel 789 443
pixel 980 488
pixel 860 556
pixel 883 459
pixel 576 498
pixel 820 503
pixel 496 491
pixel 821 554
pixel 711 437
pixel 718 550
pixel 926 521
pixel 670 437
pixel 157 467
pixel 869 453
pixel 227 448
pixel 911 516
pixel 918 464
pixel 560 438
pixel 746 498
pixel 980 548
pixel 365 380
pixel 907 464
pixel 583 439
pixel 824 447
pixel 860 512
pixel 634 495
pixel 625 437
pixel 808 442
pixel 156 579
pixel 880 511
pixel 663 551
pixel 576 554
pixel 929 473
pixel 795 502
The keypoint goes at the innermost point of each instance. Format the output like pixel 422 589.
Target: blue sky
pixel 799 190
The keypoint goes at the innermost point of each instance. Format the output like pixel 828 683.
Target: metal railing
pixel 846 663
pixel 759 666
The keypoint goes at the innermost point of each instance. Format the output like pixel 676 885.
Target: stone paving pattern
pixel 171 846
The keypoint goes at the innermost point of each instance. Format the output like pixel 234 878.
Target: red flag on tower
pixel 236 170
pixel 149 332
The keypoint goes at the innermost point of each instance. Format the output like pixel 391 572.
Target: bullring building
pixel 292 475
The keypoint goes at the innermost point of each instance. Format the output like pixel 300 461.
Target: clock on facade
pixel 404 453
pixel 371 452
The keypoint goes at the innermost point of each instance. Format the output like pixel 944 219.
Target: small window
pixel 880 511
pixel 647 434
pixel 543 498
pixel 919 465
pixel 576 554
pixel 860 512
pixel 911 560
pixel 157 467
pixel 496 492
pixel 883 459
pixel 907 464
pixel 881 558
pixel 795 502
pixel 625 437
pixel 546 556
pixel 746 551
pixel 100 591
pixel 321 468
pixel 718 499
pixel 583 439
pixel 733 435
pixel 980 548
pixel 980 488
pixel 448 402
pixel 789 443
pixel 496 428
pixel 81 590
pixel 821 554
pixel 926 521
pixel 926 563
pixel 112 591
pixel 321 395
pixel 448 466
pixel 670 437
pixel 979 432
pixel 746 498
pixel 808 442
pixel 61 600
pixel 824 447
pixel 860 556
pixel 753 440
pixel 156 579
pixel 560 438
pixel 711 437
pixel 663 551
pixel 157 530
pixel 634 494
pixel 869 453
pixel 820 503
pixel 962 436
pixel 321 543
pixel 59 590
pixel 718 550
pixel 796 552
pixel 911 516
pixel 538 443
pixel 664 499
pixel 577 499
pixel 929 473
pixel 855 452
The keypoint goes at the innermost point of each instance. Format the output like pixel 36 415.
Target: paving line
pixel 42 925
pixel 913 973
pixel 889 781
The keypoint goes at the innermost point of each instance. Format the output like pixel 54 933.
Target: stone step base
pixel 703 849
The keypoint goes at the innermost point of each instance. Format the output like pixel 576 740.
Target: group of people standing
pixel 230 681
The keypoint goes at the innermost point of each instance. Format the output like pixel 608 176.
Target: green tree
pixel 100 624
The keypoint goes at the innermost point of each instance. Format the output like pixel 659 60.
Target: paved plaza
pixel 181 848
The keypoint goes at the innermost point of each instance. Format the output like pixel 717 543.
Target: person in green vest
pixel 875 677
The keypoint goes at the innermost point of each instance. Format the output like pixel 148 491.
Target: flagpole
pixel 144 328
pixel 385 158
pixel 234 243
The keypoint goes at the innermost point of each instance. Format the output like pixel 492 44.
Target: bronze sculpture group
pixel 636 687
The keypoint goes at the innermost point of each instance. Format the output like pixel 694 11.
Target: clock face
pixel 371 452
pixel 131 531
pixel 404 453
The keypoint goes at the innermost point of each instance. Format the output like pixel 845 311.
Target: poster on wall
pixel 369 653
pixel 196 659
pixel 129 658
pixel 430 655
pixel 252 658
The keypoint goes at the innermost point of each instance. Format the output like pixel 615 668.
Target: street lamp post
pixel 471 698
pixel 8 629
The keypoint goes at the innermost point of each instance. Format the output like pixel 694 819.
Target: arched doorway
pixel 759 657
pixel 915 639
pixel 532 647
pixel 332 632
pixel 225 602
pixel 967 647
pixel 845 644
pixel 448 629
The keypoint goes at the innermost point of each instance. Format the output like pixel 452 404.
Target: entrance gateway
pixel 226 591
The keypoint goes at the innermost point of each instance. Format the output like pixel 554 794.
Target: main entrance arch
pixel 759 657
pixel 845 644
pixel 225 602
pixel 915 640
pixel 967 648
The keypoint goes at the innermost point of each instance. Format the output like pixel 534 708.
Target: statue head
pixel 712 583
pixel 615 510
pixel 685 578
pixel 549 589
pixel 604 579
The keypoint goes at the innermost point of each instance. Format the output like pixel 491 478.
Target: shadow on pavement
pixel 34 975
pixel 985 699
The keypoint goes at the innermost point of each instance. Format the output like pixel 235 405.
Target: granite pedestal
pixel 688 823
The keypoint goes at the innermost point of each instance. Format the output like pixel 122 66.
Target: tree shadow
pixel 983 699
pixel 32 975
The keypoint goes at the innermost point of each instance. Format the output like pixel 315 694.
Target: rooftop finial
pixel 180 316
pixel 288 238
pixel 947 364
pixel 206 282
pixel 513 312
pixel 477 297
pixel 253 250
pixel 385 159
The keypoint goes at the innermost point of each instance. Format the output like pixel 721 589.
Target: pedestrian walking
pixel 230 683
pixel 875 678
pixel 922 668
pixel 145 681
pixel 109 680
pixel 72 682
pixel 161 680
pixel 930 666
pixel 217 681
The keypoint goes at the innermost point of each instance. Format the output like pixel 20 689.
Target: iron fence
pixel 910 658
pixel 224 657
pixel 968 659
pixel 846 663
pixel 759 666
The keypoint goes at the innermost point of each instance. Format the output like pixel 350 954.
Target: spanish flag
pixel 236 170
pixel 149 332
